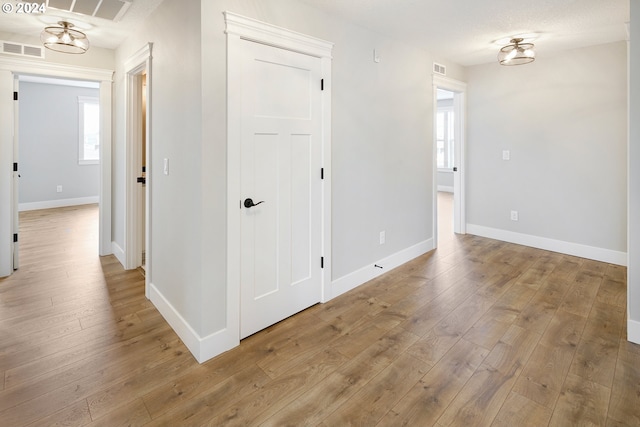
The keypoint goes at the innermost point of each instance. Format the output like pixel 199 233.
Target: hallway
pixel 478 332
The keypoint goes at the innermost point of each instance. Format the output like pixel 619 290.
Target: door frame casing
pixel 8 68
pixel 240 28
pixel 138 64
pixel 16 174
pixel 459 107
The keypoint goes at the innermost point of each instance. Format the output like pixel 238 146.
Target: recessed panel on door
pixel 265 166
pixel 301 220
pixel 273 100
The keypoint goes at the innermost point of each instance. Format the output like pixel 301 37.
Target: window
pixel 445 134
pixel 89 132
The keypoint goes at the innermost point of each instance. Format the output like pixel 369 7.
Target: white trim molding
pixel 459 188
pixel 49 204
pixel 118 252
pixel 363 275
pixel 51 69
pixel 262 32
pixel 139 63
pixel 202 348
pixel 633 331
pixel 553 245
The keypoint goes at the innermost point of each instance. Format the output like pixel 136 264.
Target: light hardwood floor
pixel 478 332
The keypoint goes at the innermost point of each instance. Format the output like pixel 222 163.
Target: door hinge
pixel 321 84
pixel 321 262
pixel 321 173
pixel 15 167
pixel 15 238
pixel 15 96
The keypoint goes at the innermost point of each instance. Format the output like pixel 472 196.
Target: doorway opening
pixel 9 171
pixel 449 164
pixel 58 161
pixel 141 148
pixel 445 156
pixel 137 246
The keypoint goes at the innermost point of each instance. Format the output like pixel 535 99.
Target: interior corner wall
pixel 175 133
pixel 564 120
pixel 49 145
pixel 382 161
pixel 382 119
pixel 633 270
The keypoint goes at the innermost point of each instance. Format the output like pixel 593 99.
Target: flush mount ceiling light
pixel 517 53
pixel 64 38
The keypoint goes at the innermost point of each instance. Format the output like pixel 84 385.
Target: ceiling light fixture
pixel 517 53
pixel 64 38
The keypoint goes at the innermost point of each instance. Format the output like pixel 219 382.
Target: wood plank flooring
pixel 476 333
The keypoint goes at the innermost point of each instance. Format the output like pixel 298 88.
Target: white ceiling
pixel 462 31
pixel 101 32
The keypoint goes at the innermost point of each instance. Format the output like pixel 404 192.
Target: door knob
pixel 248 203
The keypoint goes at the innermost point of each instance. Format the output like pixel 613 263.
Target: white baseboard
pixel 202 349
pixel 633 331
pixel 49 204
pixel 358 277
pixel 575 249
pixel 445 188
pixel 118 252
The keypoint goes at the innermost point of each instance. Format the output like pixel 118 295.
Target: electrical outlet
pixel 506 155
pixel 514 215
pixel 383 237
pixel 59 189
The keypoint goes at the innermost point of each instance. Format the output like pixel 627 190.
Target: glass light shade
pixel 64 38
pixel 517 53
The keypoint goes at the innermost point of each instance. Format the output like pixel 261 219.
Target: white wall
pixel 176 120
pixel 564 120
pixel 48 147
pixel 382 146
pixel 382 115
pixel 95 57
pixel 633 271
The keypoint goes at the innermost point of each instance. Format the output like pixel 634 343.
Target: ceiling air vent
pixel 112 10
pixel 13 48
pixel 439 69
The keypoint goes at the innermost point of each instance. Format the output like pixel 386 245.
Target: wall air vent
pixel 13 48
pixel 439 69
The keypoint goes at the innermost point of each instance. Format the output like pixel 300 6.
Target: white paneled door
pixel 281 185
